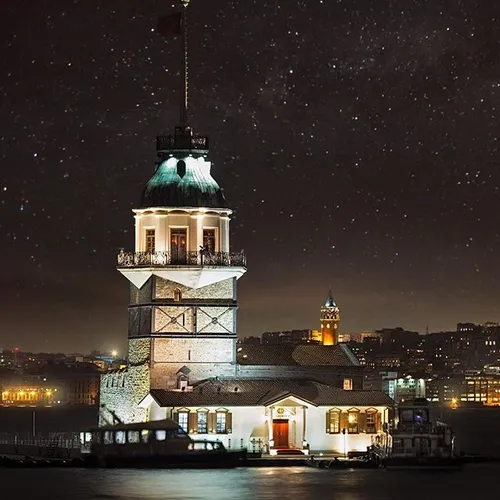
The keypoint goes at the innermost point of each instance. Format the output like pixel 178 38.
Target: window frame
pixel 215 239
pixel 338 413
pixel 199 425
pixel 371 427
pixel 353 427
pixel 186 413
pixel 217 428
pixel 148 238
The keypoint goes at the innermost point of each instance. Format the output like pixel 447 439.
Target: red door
pixel 280 433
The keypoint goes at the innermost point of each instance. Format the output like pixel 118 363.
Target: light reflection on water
pixel 243 484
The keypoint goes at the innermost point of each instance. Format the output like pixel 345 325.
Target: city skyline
pixel 359 155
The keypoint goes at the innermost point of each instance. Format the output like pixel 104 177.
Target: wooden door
pixel 280 433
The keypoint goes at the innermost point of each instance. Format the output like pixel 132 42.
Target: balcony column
pixel 224 236
pixel 270 428
pixel 199 232
pixel 161 235
pixel 137 233
pixel 304 420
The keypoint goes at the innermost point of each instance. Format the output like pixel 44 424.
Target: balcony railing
pixel 161 259
pixel 181 141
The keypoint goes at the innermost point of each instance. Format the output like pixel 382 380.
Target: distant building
pixel 251 340
pixel 288 337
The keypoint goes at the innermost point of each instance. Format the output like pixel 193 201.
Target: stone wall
pixel 205 358
pixel 165 375
pixel 173 319
pixel 164 289
pixel 123 390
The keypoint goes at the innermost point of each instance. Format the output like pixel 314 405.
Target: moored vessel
pixel 417 441
pixel 156 445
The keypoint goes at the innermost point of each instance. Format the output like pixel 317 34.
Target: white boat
pixel 156 444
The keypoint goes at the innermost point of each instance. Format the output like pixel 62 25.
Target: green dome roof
pixel 183 182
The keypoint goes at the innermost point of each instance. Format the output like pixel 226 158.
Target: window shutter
pixel 378 421
pixel 229 422
pixel 193 422
pixel 362 422
pixel 212 422
pixel 344 422
pixel 175 416
pixel 327 419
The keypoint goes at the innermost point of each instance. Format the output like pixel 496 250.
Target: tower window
pixel 177 295
pixel 178 245
pixel 209 240
pixel 150 240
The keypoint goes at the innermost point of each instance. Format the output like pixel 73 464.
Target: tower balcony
pixel 182 140
pixel 187 259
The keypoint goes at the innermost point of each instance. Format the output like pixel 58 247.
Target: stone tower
pixel 182 274
pixel 330 317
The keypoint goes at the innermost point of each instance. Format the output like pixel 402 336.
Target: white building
pixel 182 356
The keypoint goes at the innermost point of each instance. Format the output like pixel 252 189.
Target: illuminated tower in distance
pixel 330 317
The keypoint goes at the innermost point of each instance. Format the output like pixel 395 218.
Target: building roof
pixel 296 355
pixel 183 181
pixel 265 392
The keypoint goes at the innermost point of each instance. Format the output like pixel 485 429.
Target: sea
pixel 302 483
pixel 478 432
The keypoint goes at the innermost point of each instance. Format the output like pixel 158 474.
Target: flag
pixel 170 26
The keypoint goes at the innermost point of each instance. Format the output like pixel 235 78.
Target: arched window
pixel 177 295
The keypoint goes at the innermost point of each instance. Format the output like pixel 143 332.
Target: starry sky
pixel 356 141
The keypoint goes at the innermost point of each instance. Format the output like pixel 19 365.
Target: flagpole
pixel 184 66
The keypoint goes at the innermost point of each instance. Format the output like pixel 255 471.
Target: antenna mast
pixel 184 64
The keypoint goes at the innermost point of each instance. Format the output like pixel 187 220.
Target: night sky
pixel 356 140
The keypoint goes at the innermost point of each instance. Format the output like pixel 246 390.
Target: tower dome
pixel 183 181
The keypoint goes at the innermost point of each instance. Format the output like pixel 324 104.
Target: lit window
pixel 221 422
pixel 150 240
pixel 371 425
pixel 352 421
pixel 202 422
pixel 334 422
pixel 209 240
pixel 184 420
pixel 348 384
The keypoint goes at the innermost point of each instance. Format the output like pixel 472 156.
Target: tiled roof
pixel 296 355
pixel 263 392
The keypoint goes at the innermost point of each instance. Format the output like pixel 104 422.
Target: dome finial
pixel 329 299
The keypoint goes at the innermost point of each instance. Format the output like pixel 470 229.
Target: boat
pixel 417 441
pixel 156 445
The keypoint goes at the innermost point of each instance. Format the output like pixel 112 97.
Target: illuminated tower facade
pixel 330 317
pixel 182 274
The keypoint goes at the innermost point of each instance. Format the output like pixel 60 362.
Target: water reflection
pixel 243 484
